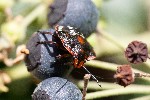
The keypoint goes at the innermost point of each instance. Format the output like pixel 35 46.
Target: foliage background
pixel 121 21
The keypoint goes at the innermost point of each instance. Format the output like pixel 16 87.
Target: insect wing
pixel 75 43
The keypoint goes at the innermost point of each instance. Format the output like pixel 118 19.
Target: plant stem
pixel 142 98
pixel 34 14
pixel 105 86
pixel 142 75
pixel 93 86
pixel 17 72
pixel 110 66
pixel 110 38
pixel 102 65
pixel 120 91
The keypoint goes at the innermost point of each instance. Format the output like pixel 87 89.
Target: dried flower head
pixel 124 75
pixel 136 52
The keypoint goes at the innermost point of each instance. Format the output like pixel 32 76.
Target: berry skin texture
pixel 81 14
pixel 42 60
pixel 56 88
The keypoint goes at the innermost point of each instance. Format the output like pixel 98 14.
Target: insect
pixel 74 42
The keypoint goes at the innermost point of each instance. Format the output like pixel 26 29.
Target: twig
pixel 92 86
pixel 142 74
pixel 86 80
pixel 20 55
pixel 110 67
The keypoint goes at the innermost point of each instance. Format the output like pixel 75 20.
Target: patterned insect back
pixel 76 44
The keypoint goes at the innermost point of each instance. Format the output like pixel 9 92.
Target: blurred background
pixel 120 22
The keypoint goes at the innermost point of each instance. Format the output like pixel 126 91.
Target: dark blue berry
pixel 43 61
pixel 56 88
pixel 80 14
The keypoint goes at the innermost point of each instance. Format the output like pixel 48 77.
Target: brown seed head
pixel 124 75
pixel 136 52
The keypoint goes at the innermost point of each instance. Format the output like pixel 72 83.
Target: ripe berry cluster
pixel 55 52
pixel 52 53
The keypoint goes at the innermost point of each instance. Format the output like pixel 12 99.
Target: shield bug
pixel 75 43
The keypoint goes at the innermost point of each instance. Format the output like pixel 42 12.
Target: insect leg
pixel 46 42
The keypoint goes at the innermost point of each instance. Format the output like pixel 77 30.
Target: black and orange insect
pixel 76 44
pixel 71 40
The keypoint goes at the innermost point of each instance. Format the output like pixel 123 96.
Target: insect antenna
pixel 92 76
